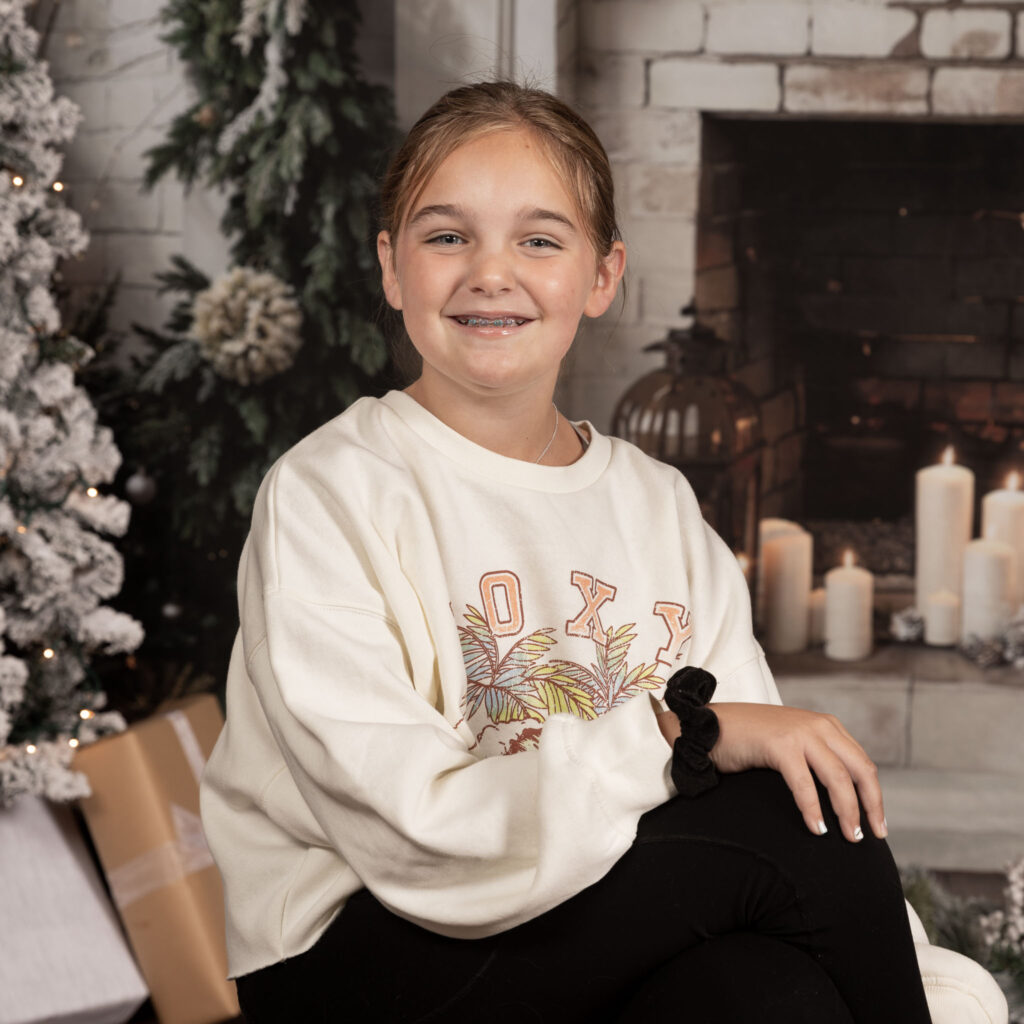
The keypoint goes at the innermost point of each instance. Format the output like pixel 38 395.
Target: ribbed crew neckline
pixel 500 468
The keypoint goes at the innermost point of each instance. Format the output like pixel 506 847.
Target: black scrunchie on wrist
pixel 687 694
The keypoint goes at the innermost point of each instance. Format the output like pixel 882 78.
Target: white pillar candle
pixel 944 525
pixel 766 529
pixel 1002 518
pixel 988 588
pixel 816 624
pixel 941 618
pixel 786 564
pixel 849 599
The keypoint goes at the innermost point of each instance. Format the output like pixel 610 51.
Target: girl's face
pixel 492 271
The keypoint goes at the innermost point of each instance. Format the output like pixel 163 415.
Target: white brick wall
pixel 667 243
pixel 967 35
pixel 611 80
pixel 649 135
pixel 769 28
pixel 659 189
pixel 858 30
pixel 978 92
pixel 710 85
pixel 650 25
pixel 856 89
pixel 106 55
pixel 665 293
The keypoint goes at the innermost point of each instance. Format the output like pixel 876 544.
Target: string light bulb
pixel 31 748
pixel 92 492
pixel 22 528
pixel 17 180
pixel 49 653
pixel 85 714
pixel 72 743
pixel 58 186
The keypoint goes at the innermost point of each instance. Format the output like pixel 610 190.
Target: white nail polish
pixel 858 833
pixel 822 827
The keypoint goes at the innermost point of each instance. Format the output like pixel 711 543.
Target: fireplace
pixel 868 278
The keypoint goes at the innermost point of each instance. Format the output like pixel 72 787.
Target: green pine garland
pixel 301 184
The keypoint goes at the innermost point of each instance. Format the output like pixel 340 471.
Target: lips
pixel 491 320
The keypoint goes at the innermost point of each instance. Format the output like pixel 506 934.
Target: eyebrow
pixel 454 211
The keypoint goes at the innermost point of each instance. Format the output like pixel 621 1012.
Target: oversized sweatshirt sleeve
pixel 461 844
pixel 723 639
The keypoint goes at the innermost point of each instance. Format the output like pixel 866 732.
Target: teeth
pixel 476 321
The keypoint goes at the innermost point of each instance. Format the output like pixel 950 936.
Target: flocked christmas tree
pixel 56 567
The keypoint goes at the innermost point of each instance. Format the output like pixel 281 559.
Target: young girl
pixel 448 788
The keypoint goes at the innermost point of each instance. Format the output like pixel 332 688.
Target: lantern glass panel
pixel 707 426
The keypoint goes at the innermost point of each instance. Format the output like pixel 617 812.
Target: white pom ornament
pixel 247 324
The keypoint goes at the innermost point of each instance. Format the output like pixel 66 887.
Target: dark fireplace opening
pixel 869 279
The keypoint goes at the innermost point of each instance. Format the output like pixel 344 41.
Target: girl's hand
pixel 793 741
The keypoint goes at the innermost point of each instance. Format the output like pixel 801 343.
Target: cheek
pixel 569 295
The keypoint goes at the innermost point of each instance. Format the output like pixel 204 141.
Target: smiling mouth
pixel 501 321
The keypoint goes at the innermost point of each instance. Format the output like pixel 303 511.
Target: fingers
pixel 861 770
pixel 805 793
pixel 842 794
pixel 849 776
pixel 871 798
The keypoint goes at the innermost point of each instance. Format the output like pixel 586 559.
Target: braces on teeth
pixel 476 321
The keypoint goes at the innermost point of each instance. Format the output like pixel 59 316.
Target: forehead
pixel 508 168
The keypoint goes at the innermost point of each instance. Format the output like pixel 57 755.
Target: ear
pixel 609 273
pixel 389 277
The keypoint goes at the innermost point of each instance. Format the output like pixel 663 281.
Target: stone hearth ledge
pixel 946 735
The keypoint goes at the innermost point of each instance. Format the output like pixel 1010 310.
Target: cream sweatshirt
pixel 440 688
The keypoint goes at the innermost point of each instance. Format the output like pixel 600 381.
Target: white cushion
pixel 959 991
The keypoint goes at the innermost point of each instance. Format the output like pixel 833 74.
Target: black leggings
pixel 725 910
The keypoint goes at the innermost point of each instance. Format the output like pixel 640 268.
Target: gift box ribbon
pixel 178 857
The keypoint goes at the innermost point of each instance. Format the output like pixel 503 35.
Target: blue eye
pixel 542 243
pixel 448 238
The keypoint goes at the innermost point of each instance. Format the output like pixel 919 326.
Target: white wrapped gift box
pixel 63 956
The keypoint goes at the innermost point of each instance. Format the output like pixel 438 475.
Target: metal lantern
pixel 691 415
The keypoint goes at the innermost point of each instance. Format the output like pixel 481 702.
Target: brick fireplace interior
pixel 869 279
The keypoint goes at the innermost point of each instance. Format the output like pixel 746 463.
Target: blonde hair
pixel 472 111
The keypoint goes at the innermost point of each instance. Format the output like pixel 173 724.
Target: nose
pixel 491 272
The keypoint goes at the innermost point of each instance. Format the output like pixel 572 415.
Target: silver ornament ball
pixel 140 488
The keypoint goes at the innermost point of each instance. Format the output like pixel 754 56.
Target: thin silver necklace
pixel 552 441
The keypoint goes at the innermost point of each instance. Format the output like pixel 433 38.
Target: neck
pixel 516 426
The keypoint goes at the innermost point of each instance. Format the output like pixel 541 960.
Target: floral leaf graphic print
pixel 504 688
pixel 568 688
pixel 512 694
pixel 480 653
pixel 617 647
pixel 614 681
pixel 563 696
pixel 528 739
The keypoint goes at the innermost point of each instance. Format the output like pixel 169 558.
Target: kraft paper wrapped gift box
pixel 64 958
pixel 144 820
